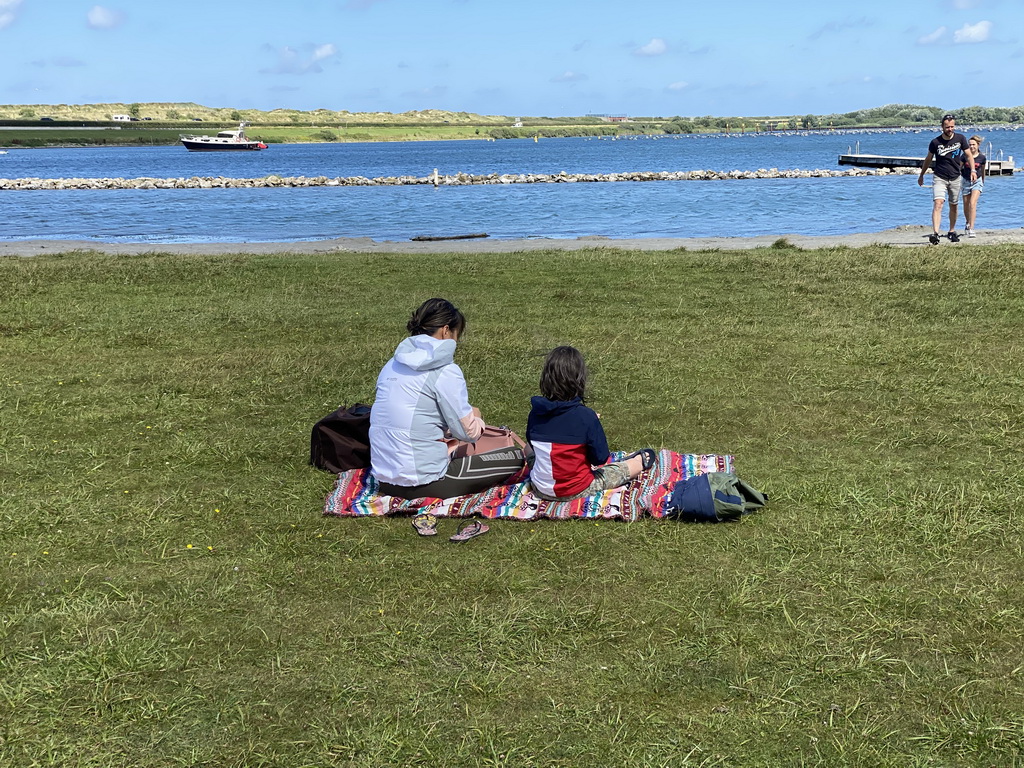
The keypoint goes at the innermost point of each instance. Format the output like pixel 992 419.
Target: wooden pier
pixel 992 168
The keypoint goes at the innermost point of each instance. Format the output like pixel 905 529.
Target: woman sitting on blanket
pixel 421 400
pixel 569 445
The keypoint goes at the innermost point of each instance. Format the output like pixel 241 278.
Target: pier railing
pixel 992 167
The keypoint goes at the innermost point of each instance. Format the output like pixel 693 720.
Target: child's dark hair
pixel 434 314
pixel 564 376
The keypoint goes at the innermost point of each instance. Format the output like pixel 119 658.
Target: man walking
pixel 949 150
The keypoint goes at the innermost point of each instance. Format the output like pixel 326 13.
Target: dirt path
pixel 904 236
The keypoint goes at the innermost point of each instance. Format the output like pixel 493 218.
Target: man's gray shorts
pixel 948 189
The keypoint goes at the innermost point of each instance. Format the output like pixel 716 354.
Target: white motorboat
pixel 223 141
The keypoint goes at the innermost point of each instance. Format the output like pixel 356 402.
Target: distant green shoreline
pixel 47 125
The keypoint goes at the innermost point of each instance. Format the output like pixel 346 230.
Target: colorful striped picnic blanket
pixel 355 495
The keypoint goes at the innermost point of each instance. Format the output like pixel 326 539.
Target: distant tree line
pixel 893 115
pixel 889 116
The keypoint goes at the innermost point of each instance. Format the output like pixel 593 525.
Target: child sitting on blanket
pixel 569 445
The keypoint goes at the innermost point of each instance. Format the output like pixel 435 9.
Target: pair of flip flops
pixel 426 525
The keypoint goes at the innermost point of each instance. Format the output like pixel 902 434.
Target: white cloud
pixel 293 62
pixel 655 47
pixel 973 33
pixel 104 18
pixel 324 52
pixel 678 86
pixel 569 77
pixel 8 12
pixel 934 37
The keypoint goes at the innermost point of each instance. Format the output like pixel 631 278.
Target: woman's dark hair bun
pixel 434 314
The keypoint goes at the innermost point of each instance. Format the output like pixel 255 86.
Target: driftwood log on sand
pixel 432 238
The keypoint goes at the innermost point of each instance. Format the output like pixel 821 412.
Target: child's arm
pixel 597 443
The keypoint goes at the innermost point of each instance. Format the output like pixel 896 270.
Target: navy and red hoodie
pixel 567 439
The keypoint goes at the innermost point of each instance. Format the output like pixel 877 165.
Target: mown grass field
pixel 28 138
pixel 343 133
pixel 172 595
pixel 272 134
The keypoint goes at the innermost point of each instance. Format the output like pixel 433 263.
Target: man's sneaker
pixel 970 232
pixel 933 238
pixel 953 237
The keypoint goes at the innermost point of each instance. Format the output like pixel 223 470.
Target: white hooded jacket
pixel 421 393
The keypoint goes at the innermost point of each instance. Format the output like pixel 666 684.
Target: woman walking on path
pixel 972 189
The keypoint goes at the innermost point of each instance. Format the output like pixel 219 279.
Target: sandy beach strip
pixel 903 236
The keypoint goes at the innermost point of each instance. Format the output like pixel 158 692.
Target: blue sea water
pixel 617 210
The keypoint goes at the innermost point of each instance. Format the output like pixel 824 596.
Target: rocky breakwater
pixel 458 179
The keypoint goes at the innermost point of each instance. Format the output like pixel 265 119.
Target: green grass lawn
pixel 335 133
pixel 274 134
pixel 91 137
pixel 172 596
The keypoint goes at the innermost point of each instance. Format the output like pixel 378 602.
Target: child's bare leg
pixel 635 466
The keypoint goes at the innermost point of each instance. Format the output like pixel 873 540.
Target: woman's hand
pixel 473 424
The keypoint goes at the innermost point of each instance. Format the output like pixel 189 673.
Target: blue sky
pixel 516 57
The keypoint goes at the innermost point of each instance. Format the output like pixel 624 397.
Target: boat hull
pixel 211 146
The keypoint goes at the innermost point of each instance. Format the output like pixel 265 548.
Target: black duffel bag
pixel 341 440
